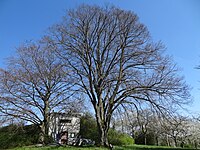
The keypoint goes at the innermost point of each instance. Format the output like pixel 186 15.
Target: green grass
pixel 145 147
pixel 60 148
pixel 133 147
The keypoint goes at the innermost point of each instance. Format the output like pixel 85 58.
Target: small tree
pixel 113 61
pixel 34 84
pixel 177 129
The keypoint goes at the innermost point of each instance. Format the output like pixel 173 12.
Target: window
pixel 65 121
pixel 72 135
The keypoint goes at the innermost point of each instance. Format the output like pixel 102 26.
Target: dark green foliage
pixel 17 135
pixel 89 130
pixel 89 127
pixel 150 138
pixel 117 138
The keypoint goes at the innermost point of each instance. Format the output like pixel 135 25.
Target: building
pixel 64 128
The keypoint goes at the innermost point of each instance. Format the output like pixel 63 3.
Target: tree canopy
pixel 34 84
pixel 115 63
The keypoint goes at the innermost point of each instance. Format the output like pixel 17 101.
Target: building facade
pixel 64 128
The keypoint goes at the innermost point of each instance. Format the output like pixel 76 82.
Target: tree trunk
pixel 44 127
pixel 175 141
pixel 103 137
pixel 168 144
pixel 103 126
pixel 157 142
pixel 44 130
pixel 145 139
pixel 42 134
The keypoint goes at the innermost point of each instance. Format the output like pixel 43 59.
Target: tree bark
pixel 44 130
pixel 157 141
pixel 44 127
pixel 103 136
pixel 145 139
pixel 42 134
pixel 175 141
pixel 168 142
pixel 103 127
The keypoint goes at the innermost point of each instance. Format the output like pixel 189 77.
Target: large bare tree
pixel 33 85
pixel 113 60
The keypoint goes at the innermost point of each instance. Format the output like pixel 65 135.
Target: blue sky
pixel 174 22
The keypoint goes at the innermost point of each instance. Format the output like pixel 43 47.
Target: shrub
pixel 17 135
pixel 117 138
pixel 88 128
pixel 150 137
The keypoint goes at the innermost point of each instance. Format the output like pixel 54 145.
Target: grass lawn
pixel 133 147
pixel 59 148
pixel 145 147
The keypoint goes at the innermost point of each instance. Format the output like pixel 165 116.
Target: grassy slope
pixel 15 136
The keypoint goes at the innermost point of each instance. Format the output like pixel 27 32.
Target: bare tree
pixel 177 129
pixel 34 84
pixel 194 129
pixel 144 119
pixel 142 123
pixel 135 122
pixel 112 58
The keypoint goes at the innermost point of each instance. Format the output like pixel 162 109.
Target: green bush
pixel 150 138
pixel 17 135
pixel 188 146
pixel 117 138
pixel 88 128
